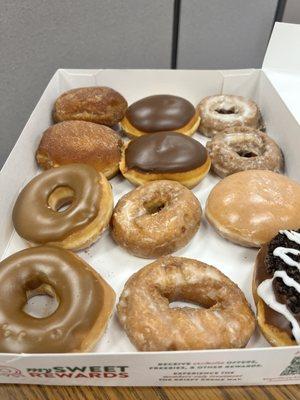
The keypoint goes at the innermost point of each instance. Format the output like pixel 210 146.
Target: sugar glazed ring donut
pixel 156 219
pixel 165 155
pixel 276 289
pixel 80 142
pixel 160 113
pixel 98 104
pixel 85 302
pixel 243 148
pixel 38 216
pixel 218 113
pixel 225 321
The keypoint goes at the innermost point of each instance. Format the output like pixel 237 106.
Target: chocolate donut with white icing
pixel 276 289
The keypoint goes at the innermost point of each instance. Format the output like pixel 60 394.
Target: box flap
pixel 283 49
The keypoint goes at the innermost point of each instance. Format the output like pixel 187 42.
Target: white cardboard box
pixel 115 362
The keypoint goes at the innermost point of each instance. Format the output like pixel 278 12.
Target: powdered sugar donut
pixel 221 112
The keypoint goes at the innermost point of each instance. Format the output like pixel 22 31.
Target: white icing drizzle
pixel 265 289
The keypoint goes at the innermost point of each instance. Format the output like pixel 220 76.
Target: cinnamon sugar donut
pixel 242 148
pixel 225 319
pixel 220 112
pixel 156 219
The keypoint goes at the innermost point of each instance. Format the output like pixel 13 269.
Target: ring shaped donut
pixel 224 321
pixel 85 302
pixel 221 112
pixel 156 219
pixel 37 216
pixel 243 148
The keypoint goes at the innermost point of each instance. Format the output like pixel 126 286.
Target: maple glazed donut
pixel 276 289
pixel 243 148
pixel 165 155
pixel 85 302
pixel 160 113
pixel 156 219
pixel 39 218
pixel 220 112
pixel 225 319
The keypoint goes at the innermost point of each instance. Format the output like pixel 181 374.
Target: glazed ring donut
pixel 85 302
pixel 243 148
pixel 165 155
pixel 226 321
pixel 38 216
pixel 98 104
pixel 80 142
pixel 218 113
pixel 156 219
pixel 160 113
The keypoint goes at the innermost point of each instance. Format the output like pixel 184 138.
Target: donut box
pixel 115 361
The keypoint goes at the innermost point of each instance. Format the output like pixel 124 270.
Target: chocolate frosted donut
pixel 165 155
pixel 243 148
pixel 85 302
pixel 276 289
pixel 220 112
pixel 160 113
pixel 87 194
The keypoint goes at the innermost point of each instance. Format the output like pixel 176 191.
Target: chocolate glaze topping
pixel 58 273
pixel 36 221
pixel 160 113
pixel 165 152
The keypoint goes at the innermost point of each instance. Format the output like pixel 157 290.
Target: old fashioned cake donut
pixel 224 320
pixel 220 112
pixel 160 113
pixel 98 104
pixel 250 207
pixel 276 289
pixel 80 142
pixel 156 219
pixel 85 302
pixel 165 155
pixel 241 149
pixel 40 216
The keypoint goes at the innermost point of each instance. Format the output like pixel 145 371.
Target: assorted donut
pixel 68 206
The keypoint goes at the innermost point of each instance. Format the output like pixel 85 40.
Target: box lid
pixel 282 64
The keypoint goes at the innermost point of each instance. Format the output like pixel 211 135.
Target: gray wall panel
pixel 39 36
pixel 224 34
pixel 292 12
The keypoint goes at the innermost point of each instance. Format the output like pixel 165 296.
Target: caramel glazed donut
pixel 87 194
pixel 276 289
pixel 85 302
pixel 218 113
pixel 165 155
pixel 242 148
pixel 225 321
pixel 156 219
pixel 160 113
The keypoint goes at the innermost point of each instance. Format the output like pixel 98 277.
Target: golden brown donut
pixel 165 155
pixel 160 113
pixel 243 148
pixel 156 219
pixel 250 207
pixel 225 321
pixel 80 142
pixel 276 289
pixel 220 112
pixel 98 104
pixel 85 302
pixel 38 216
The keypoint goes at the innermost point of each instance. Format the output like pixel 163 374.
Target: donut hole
pixel 61 199
pixel 230 110
pixel 42 301
pixel 182 304
pixel 154 206
pixel 247 154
